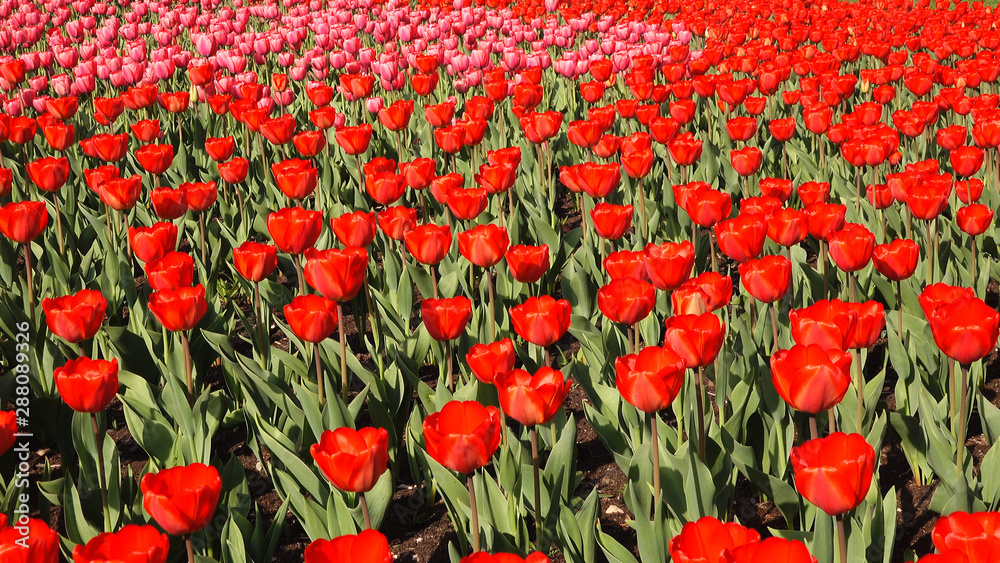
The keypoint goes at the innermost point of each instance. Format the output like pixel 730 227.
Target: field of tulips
pixel 360 280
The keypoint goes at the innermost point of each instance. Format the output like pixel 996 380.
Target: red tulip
pixel 773 550
pixel 742 238
pixel 834 473
pixel 896 260
pixel 179 309
pixel 851 247
pixel 696 338
pixel 669 264
pixel 975 537
pixel 814 192
pixel 532 399
pixel 935 295
pixel 746 161
pixel 829 324
pixel 385 187
pixel 337 274
pixel 626 300
pixel 354 140
pixel 969 191
pixel 76 317
pixel 708 540
pixel 487 361
pixel 685 150
pixel 279 130
pixel 121 194
pixel 131 544
pixel 611 221
pixel 49 173
pixel 396 116
pixel 234 171
pixel 295 229
pixel 87 385
pixel 312 318
pixel 467 204
pixel 152 243
pixel 497 178
pixel 8 429
pixel 221 149
pixel 541 320
pixel 927 199
pixel 483 245
pixel 354 229
pixel 651 379
pixel 419 173
pixel 767 279
pixel 174 270
pixel 396 221
pixel 716 289
pixel 155 159
pixel 778 188
pixel 868 327
pixel 367 547
pixel 811 379
pixel 60 136
pixel 182 499
pixel 446 318
pixel 824 219
pixel 255 261
pixel 706 207
pixel 626 264
pixel 965 329
pixel 638 163
pixel 147 130
pixel 527 263
pixel 463 436
pixel 966 161
pixel 975 219
pixel 782 129
pixel 296 178
pixel 353 460
pixel 428 244
pixel 34 542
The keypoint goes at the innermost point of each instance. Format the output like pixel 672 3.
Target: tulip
pixel 463 436
pixel 180 310
pixel 296 178
pixel 132 543
pixel 429 244
pixel 76 317
pixel 811 379
pixel 709 540
pixel 627 301
pixel 34 542
pixel 396 221
pixel 152 243
pixel 87 385
pixel 353 460
pixel 314 318
pixel 169 204
pixel 221 149
pixel 532 400
pixel 626 264
pixel 337 274
pixel 293 230
pixel 669 264
pixel 541 320
pixel 829 324
pixel 8 429
pixel 697 339
pixel 834 473
pixel 354 229
pixel 611 221
pixel 527 264
pixel 741 238
pixel 174 270
pixel 971 536
pixel 487 361
pixel 484 246
pixel 182 499
pixel 773 550
pixel 367 547
pixel 445 320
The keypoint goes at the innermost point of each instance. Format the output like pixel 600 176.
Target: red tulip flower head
pixel 337 274
pixel 651 379
pixel 742 238
pixel 295 229
pixel 353 460
pixel 87 385
pixel 527 263
pixel 696 338
pixel 541 320
pixel 626 300
pixel 40 545
pixel 487 361
pixel 811 379
pixel 312 318
pixel 152 243
pixel 532 399
pixel 668 265
pixel 970 537
pixel 255 261
pixel 76 317
pixel 428 244
pixel 708 540
pixel 826 323
pixel 896 260
pixel 834 473
pixel 446 318
pixel 766 279
pixel 367 547
pixel 355 229
pixel 179 309
pixel 182 499
pixel 773 550
pixel 483 557
pixel 965 329
pixel 463 436
pixel 483 245
pixel 132 543
pixel 851 247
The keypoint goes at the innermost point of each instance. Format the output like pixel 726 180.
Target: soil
pixel 420 534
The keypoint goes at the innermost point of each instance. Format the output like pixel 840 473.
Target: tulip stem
pixel 299 274
pixel 842 537
pixel 960 454
pixel 434 281
pixel 899 305
pixel 361 185
pixel 642 208
pixel 813 429
pixel 852 281
pixel 319 373
pixel 59 227
pixel 343 352
pixel 475 515
pixel 451 377
pixel 774 325
pixel 186 347
pixel 656 463
pixel 99 439
pixel 861 392
pixel 260 324
pixel 190 548
pixel 701 413
pixel 28 274
pixel 201 226
pixel 822 263
pixel 493 312
pixel 538 489
pixel 973 265
pixel 364 511
pixel 711 250
pixel 930 255
pixel 953 389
